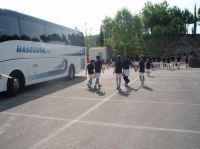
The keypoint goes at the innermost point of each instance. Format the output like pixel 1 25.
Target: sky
pixel 86 15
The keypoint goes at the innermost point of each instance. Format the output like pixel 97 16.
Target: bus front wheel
pixel 14 84
pixel 71 72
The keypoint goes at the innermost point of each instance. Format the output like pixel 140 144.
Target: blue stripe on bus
pixel 47 74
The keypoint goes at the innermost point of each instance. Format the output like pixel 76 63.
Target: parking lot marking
pixel 72 121
pixel 143 127
pixel 157 102
pixel 176 90
pixel 68 97
pixel 36 116
pixel 60 130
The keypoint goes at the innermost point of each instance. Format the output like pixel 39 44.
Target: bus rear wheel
pixel 71 72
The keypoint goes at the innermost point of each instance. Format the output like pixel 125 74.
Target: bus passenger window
pixel 9 29
pixel 31 31
pixel 53 35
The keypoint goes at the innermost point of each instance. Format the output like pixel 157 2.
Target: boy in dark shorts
pixel 98 69
pixel 164 62
pixel 168 62
pixel 142 70
pixel 90 71
pixel 126 64
pixel 148 67
pixel 118 70
pixel 172 63
pixel 178 62
pixel 186 62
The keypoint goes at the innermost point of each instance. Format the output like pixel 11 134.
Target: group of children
pixel 170 62
pixel 121 69
pixel 94 70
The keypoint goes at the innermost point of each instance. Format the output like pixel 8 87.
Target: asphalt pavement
pixel 65 114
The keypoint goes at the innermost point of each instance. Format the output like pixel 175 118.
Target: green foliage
pixel 176 27
pixel 155 15
pixel 158 31
pixel 199 12
pixel 128 33
pixel 101 38
pixel 123 32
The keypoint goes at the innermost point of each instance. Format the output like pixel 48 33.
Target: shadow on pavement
pixel 147 88
pixel 123 93
pixel 131 89
pixel 97 91
pixel 151 76
pixel 7 102
pixel 100 93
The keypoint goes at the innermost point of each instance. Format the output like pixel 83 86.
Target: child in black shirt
pixel 148 67
pixel 118 72
pixel 142 70
pixel 90 70
pixel 126 64
pixel 98 69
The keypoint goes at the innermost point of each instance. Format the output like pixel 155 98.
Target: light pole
pixel 86 46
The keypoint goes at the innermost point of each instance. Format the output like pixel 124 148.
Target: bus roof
pixel 31 18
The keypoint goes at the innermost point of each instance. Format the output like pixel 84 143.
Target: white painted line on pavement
pixel 143 127
pixel 68 97
pixel 170 83
pixel 176 90
pixel 72 121
pixel 36 116
pixel 58 131
pixel 156 102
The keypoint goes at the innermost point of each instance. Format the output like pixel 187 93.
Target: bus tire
pixel 71 73
pixel 15 83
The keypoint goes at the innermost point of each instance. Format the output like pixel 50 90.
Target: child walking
pixel 148 67
pixel 98 69
pixel 118 70
pixel 126 64
pixel 90 71
pixel 142 70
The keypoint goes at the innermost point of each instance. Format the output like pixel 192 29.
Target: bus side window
pixel 9 28
pixel 65 36
pixel 53 35
pixel 31 31
pixel 76 39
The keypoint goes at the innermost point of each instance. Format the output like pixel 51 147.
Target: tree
pixel 137 34
pixel 127 31
pixel 176 27
pixel 107 28
pixel 199 13
pixel 101 38
pixel 155 15
pixel 187 16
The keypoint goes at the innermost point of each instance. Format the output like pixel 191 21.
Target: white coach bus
pixel 33 50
